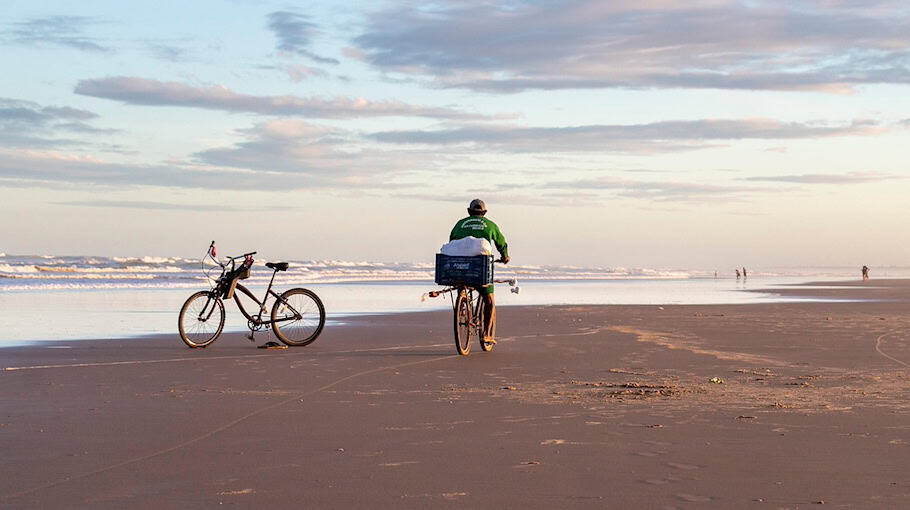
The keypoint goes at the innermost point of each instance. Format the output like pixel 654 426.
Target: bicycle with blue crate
pixel 464 275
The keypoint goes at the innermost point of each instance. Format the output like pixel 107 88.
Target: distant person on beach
pixel 865 272
pixel 737 274
pixel 744 272
pixel 476 225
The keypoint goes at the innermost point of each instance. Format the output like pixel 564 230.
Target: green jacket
pixel 484 228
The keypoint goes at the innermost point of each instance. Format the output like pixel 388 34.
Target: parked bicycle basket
pixel 230 278
pixel 476 270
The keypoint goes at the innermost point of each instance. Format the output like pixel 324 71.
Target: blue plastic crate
pixel 474 271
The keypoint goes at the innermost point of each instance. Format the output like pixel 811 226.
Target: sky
pixel 697 134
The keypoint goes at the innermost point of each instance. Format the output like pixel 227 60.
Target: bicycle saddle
pixel 277 266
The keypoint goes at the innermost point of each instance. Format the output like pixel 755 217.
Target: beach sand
pixel 577 407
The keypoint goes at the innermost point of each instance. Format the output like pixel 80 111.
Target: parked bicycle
pixel 467 302
pixel 297 315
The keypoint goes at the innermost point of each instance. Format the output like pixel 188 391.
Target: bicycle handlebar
pixel 211 253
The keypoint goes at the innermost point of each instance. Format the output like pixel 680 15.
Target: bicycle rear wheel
pixel 201 319
pixel 463 323
pixel 298 317
pixel 482 315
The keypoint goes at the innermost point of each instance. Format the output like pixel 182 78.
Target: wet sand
pixel 788 405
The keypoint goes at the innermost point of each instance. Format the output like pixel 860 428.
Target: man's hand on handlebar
pixel 504 260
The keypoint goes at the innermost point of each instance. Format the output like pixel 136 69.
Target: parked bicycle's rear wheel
pixel 298 317
pixel 201 319
pixel 463 323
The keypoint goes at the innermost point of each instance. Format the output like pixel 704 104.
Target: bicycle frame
pixel 255 321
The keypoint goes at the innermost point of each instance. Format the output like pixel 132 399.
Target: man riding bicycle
pixel 476 225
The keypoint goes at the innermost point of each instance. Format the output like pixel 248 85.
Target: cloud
pixel 725 44
pixel 275 155
pixel 665 136
pixel 57 167
pixel 144 205
pixel 597 190
pixel 19 110
pixel 297 72
pixel 318 155
pixel 285 146
pixel 849 178
pixel 148 92
pixel 659 191
pixel 66 31
pixel 167 52
pixel 28 124
pixel 295 32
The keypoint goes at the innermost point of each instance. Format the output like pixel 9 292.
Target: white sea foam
pixel 108 285
pixel 7 268
pixel 87 276
pixel 154 272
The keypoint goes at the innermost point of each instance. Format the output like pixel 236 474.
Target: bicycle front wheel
pixel 298 317
pixel 201 319
pixel 463 323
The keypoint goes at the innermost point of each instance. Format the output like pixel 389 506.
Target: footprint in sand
pixel 680 465
pixel 693 498
pixel 658 481
pixel 651 454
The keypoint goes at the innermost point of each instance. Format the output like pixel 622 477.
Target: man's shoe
pixel 489 340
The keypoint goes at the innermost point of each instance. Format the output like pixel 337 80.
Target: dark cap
pixel 477 205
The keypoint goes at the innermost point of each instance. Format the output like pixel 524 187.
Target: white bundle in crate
pixel 467 247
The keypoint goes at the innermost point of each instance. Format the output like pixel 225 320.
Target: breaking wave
pixel 64 272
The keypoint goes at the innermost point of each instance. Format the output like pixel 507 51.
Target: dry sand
pixel 577 407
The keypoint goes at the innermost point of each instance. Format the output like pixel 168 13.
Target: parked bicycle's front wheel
pixel 201 319
pixel 298 317
pixel 463 323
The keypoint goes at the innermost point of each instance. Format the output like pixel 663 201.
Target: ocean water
pixel 69 298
